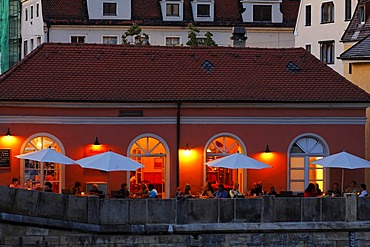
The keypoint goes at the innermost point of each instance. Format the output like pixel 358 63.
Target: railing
pixel 93 210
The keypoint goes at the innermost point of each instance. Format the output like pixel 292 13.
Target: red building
pixel 173 109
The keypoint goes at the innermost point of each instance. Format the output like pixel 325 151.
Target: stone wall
pixel 32 218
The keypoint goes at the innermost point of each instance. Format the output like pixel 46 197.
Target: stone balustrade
pixel 93 210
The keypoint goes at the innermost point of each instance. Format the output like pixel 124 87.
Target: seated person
pixel 257 189
pixel 132 177
pixel 179 192
pixel 221 192
pixel 15 183
pixel 235 193
pixel 95 190
pixel 318 190
pixel 272 191
pixel 310 191
pixel 352 188
pixel 152 192
pixel 335 192
pixel 144 191
pixel 48 187
pixel 187 192
pixel 123 192
pixel 208 190
pixel 76 189
pixel 363 190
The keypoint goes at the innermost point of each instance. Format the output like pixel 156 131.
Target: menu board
pixel 4 158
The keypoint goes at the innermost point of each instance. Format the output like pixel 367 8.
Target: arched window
pixel 152 152
pixel 303 151
pixel 34 174
pixel 218 147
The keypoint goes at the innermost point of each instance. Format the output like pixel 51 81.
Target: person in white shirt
pixel 363 190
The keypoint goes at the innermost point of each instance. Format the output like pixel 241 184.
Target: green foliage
pixel 192 36
pixel 135 32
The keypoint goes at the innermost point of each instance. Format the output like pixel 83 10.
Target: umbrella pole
pixel 342 181
pixel 108 187
pixel 42 176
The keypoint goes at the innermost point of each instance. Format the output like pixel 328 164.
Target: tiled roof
pixel 120 73
pixel 356 31
pixel 148 13
pixel 361 50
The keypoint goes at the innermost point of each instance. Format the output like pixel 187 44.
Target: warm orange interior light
pixel 187 154
pixel 8 140
pixel 267 156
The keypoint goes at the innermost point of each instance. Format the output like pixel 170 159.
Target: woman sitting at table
pixel 144 191
pixel 187 192
pixel 76 189
pixel 208 190
pixel 310 191
pixel 15 183
pixel 95 190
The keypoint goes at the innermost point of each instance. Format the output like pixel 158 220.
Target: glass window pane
pixel 297 174
pixel 297 162
pixel 297 186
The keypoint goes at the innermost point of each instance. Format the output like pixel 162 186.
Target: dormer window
pixel 361 15
pixel 172 10
pixel 203 10
pixel 262 13
pixel 265 11
pixel 109 9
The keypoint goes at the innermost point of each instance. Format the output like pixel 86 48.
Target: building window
pixel 218 147
pixel 301 172
pixel 350 68
pixel 262 13
pixel 172 41
pixel 38 41
pixel 151 152
pixel 36 173
pixel 31 12
pixel 172 9
pixel 37 10
pixel 110 40
pixel 308 48
pixel 347 10
pixel 31 44
pixel 327 52
pixel 327 12
pixel 203 10
pixel 26 14
pixel 25 48
pixel 78 39
pixel 361 14
pixel 308 15
pixel 109 9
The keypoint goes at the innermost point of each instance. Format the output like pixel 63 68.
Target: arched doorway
pixel 217 147
pixel 151 151
pixel 302 151
pixel 34 174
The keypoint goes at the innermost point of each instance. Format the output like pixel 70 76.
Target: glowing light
pixel 8 140
pixel 267 156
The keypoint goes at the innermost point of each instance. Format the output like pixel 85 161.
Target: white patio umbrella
pixel 109 161
pixel 237 161
pixel 343 160
pixel 46 155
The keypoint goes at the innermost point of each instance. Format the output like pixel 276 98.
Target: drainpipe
pixel 178 123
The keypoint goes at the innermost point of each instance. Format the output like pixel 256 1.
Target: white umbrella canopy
pixel 109 161
pixel 237 161
pixel 343 160
pixel 47 155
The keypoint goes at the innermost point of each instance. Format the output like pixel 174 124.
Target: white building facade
pixel 320 26
pixel 253 23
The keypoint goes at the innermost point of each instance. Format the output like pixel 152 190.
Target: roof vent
pixel 207 66
pixel 292 67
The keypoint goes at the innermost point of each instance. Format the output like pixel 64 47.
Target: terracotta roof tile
pixel 117 73
pixel 148 12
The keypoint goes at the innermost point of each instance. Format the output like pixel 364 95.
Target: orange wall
pixel 118 137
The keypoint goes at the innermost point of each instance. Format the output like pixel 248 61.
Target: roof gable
pixel 355 30
pixel 361 50
pixel 118 73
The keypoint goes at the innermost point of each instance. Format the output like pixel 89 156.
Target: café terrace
pixel 174 108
